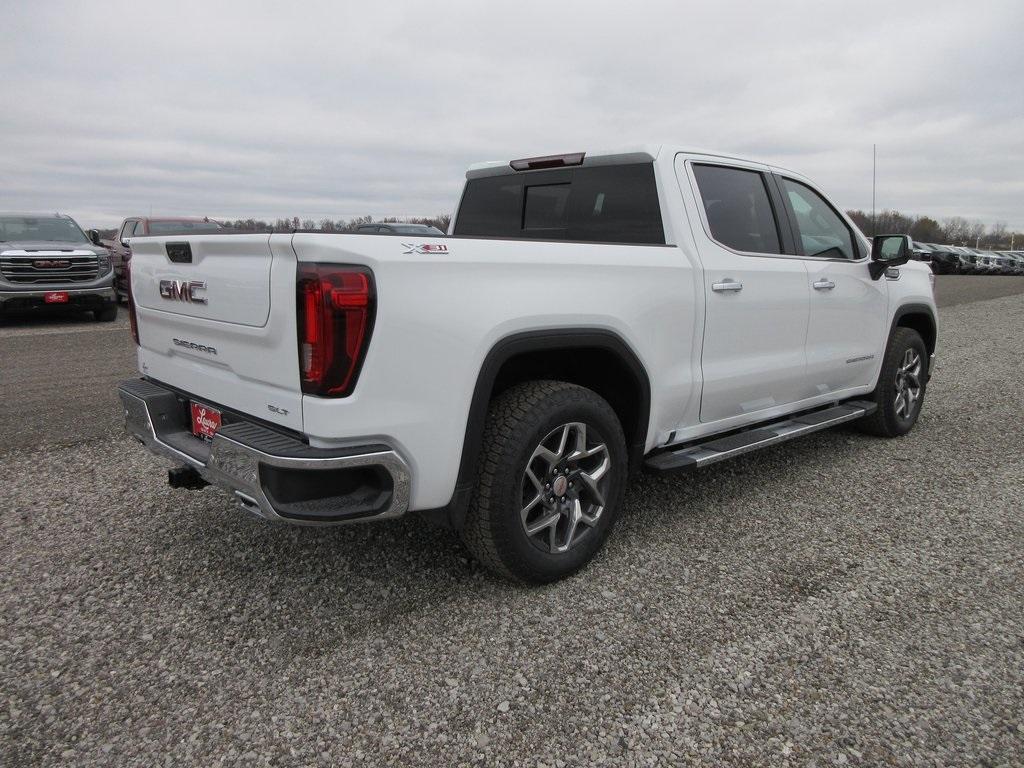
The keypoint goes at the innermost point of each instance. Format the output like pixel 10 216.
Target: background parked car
pixel 396 228
pixel 944 260
pixel 135 226
pixel 920 253
pixel 48 262
pixel 988 264
pixel 1004 264
pixel 1015 262
pixel 973 264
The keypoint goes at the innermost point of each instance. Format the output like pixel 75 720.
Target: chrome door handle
pixel 727 285
pixel 823 285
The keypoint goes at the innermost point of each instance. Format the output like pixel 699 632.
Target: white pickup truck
pixel 587 315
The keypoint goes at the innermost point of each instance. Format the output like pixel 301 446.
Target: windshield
pixel 50 228
pixel 182 227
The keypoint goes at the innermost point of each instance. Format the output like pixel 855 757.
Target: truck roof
pixel 640 153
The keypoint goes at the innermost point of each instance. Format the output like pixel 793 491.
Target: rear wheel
pixel 552 473
pixel 901 386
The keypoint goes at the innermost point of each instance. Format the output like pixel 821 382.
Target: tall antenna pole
pixel 874 168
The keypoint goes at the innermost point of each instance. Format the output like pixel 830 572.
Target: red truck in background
pixel 135 226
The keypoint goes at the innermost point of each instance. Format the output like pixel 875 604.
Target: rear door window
pixel 604 204
pixel 738 208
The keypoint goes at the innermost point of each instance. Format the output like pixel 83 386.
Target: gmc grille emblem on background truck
pixel 183 290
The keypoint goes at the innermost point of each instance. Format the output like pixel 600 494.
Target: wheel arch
pixel 918 317
pixel 598 359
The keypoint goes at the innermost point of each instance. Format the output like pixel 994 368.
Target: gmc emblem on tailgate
pixel 183 290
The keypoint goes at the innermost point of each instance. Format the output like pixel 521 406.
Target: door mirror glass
pixel 94 236
pixel 892 249
pixel 889 251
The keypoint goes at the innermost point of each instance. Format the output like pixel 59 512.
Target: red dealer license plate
pixel 205 420
pixel 55 297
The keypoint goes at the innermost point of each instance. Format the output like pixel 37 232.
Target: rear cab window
pixel 602 204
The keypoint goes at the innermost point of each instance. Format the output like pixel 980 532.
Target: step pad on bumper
pixel 717 449
pixel 273 475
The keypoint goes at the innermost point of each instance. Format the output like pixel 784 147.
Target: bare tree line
pixel 327 224
pixel 954 230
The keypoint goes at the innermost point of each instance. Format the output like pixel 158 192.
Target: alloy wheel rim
pixel 564 487
pixel 908 384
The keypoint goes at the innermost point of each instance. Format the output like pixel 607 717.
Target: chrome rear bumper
pixel 271 473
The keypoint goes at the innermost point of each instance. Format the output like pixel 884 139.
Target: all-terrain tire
pixel 518 423
pixel 889 420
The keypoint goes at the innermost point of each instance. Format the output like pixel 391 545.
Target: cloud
pixel 343 109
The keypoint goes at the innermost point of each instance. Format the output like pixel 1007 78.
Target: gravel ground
pixel 838 600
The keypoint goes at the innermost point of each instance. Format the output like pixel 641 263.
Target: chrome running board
pixel 695 455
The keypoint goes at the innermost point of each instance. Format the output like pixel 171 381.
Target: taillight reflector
pixel 335 307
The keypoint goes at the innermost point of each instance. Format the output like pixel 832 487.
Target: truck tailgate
pixel 221 324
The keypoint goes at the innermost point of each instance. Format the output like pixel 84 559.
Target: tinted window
pixel 738 208
pixel 820 229
pixel 546 206
pixel 491 207
pixel 609 204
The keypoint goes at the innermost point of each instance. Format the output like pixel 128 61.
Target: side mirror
pixel 94 236
pixel 889 251
pixel 124 243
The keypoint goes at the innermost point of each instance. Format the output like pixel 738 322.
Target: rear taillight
pixel 133 321
pixel 335 307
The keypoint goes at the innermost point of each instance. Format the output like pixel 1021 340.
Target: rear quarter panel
pixel 439 314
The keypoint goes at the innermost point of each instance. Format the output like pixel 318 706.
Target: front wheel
pixel 901 386
pixel 552 473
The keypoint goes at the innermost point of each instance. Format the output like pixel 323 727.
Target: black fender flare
pixel 916 309
pixel 453 514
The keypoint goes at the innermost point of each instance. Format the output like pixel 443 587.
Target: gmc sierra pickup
pixel 48 262
pixel 588 315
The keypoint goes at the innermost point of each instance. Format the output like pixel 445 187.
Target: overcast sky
pixel 349 108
